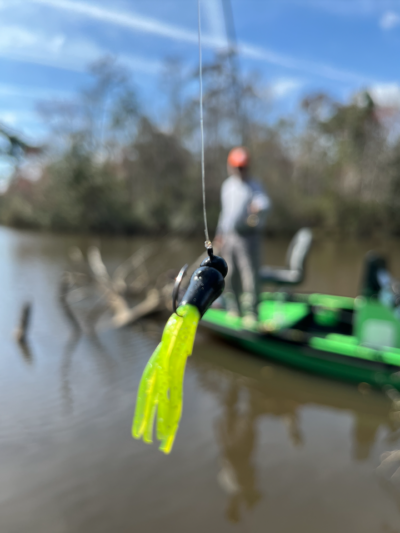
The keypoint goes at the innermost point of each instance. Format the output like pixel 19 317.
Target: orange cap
pixel 238 157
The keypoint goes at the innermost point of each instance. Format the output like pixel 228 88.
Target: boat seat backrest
pixel 374 266
pixel 298 249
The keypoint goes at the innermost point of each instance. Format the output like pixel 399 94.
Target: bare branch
pixel 152 303
pixel 21 331
pixel 130 265
pixel 117 304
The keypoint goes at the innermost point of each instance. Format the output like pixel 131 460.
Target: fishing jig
pixel 161 387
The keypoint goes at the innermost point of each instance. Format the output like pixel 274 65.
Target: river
pixel 260 447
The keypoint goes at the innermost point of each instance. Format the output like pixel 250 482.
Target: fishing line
pixel 203 177
pixel 161 387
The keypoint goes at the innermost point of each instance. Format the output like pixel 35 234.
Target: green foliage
pixel 111 168
pixel 80 195
pixel 161 179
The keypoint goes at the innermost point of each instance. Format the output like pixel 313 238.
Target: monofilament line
pixel 203 178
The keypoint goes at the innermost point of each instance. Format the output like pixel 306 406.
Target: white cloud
pixel 283 87
pixel 25 121
pixel 14 118
pixel 386 94
pixel 120 18
pixel 348 8
pixel 8 117
pixel 18 43
pixel 31 92
pixel 156 27
pixel 317 69
pixel 389 20
pixel 21 44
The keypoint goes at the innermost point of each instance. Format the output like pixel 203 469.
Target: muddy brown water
pixel 260 447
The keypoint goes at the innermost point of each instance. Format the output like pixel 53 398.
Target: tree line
pixel 110 166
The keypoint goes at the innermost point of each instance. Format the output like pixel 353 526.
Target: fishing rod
pixel 161 387
pixel 237 87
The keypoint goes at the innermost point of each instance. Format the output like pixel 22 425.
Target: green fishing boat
pixel 354 339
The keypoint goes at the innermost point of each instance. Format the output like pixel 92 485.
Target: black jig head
pixel 206 284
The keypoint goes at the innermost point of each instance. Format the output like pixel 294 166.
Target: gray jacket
pixel 236 197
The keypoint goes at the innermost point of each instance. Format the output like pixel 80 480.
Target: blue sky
pixel 297 45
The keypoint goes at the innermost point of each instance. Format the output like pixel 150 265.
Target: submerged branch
pixel 114 289
pixel 130 265
pixel 22 329
pixel 152 303
pixel 116 302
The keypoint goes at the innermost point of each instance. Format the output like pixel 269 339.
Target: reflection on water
pixel 263 446
pixel 26 352
pixel 237 438
pixel 245 397
pixel 66 363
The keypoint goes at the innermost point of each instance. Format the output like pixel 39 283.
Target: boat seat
pixel 376 325
pixel 374 275
pixel 296 256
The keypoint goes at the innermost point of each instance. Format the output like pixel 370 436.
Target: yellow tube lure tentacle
pixel 162 381
pixel 167 343
pixel 146 395
pixel 181 343
pixel 175 404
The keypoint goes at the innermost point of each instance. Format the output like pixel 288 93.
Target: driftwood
pixel 114 291
pixel 22 329
pixel 117 303
pixel 135 262
pixel 153 302
pixel 21 332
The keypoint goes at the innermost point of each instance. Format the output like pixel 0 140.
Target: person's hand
pixel 254 208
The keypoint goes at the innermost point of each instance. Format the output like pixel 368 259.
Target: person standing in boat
pixel 244 205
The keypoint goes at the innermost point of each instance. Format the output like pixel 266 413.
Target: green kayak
pixel 328 335
pixel 355 339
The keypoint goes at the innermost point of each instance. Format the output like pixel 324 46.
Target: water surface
pixel 260 447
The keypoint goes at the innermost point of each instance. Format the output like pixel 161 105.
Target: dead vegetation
pixel 93 298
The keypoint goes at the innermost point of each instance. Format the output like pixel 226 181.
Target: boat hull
pixel 297 348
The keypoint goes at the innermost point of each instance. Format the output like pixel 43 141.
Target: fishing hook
pixel 177 285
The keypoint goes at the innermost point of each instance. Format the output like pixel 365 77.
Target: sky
pixel 298 46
